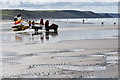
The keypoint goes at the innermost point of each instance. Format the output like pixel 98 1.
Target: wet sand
pixel 66 59
pixel 82 58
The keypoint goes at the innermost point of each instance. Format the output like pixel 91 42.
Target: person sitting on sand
pixel 41 22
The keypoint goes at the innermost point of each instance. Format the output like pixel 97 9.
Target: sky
pixel 99 6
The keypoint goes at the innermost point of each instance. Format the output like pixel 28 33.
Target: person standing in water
pixel 41 22
pixel 29 23
pixel 114 23
pixel 102 23
pixel 33 24
pixel 83 21
pixel 47 25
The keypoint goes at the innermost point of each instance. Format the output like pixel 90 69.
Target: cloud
pixel 59 1
pixel 91 6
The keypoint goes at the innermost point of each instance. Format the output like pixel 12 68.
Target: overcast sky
pixel 81 5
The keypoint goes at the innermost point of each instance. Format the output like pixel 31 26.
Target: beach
pixel 76 51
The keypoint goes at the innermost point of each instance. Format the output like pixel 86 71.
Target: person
pixel 41 22
pixel 114 23
pixel 102 23
pixel 29 23
pixel 47 25
pixel 83 21
pixel 33 24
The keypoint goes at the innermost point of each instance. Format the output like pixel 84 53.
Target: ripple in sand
pixel 69 67
pixel 82 68
pixel 45 65
pixel 68 57
pixel 59 51
pixel 78 57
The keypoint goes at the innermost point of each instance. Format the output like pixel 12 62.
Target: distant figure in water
pixel 41 22
pixel 114 23
pixel 102 23
pixel 67 20
pixel 83 21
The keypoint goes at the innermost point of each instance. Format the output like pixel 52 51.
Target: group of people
pixel 83 21
pixel 103 23
pixel 41 23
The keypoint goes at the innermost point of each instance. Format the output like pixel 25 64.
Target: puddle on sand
pixel 9 63
pixel 94 76
pixel 77 50
pixel 12 56
pixel 112 59
pixel 110 53
pixel 9 54
pixel 9 58
pixel 82 68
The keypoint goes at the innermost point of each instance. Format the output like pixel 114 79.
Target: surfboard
pixel 21 28
pixel 17 26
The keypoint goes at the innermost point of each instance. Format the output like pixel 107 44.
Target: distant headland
pixel 55 14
